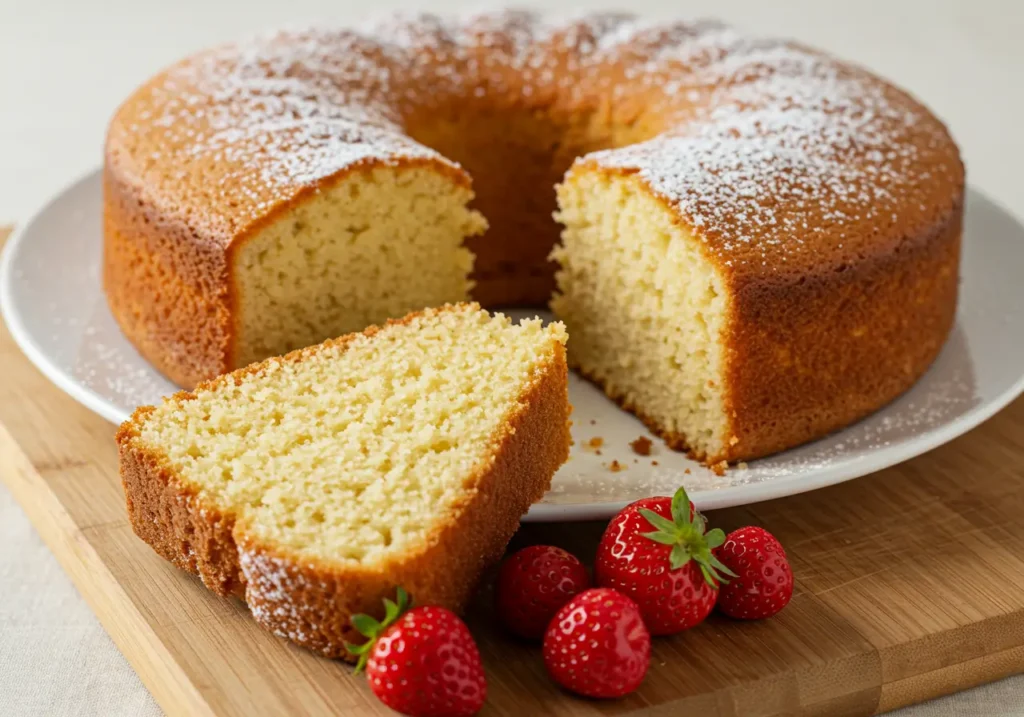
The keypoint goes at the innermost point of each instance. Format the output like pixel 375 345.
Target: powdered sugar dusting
pixel 766 143
pixel 272 589
pixel 245 126
pixel 789 151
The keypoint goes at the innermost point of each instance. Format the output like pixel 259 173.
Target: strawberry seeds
pixel 659 571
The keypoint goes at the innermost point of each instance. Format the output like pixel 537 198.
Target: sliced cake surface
pixel 646 310
pixel 761 242
pixel 313 484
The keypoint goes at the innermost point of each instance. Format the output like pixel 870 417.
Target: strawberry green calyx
pixel 372 628
pixel 688 539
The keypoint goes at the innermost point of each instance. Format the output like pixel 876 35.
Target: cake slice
pixel 647 309
pixel 311 485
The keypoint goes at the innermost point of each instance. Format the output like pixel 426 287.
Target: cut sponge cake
pixel 294 280
pixel 645 308
pixel 311 485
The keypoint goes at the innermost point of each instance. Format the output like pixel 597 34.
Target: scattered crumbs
pixel 593 422
pixel 719 468
pixel 654 463
pixel 940 398
pixel 615 467
pixel 597 452
pixel 595 442
pixel 641 446
pixel 636 460
pixel 742 465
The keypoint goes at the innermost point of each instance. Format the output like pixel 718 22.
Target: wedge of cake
pixel 311 485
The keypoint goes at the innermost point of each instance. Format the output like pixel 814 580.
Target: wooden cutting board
pixel 909 585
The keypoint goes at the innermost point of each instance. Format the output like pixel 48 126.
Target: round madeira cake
pixel 756 243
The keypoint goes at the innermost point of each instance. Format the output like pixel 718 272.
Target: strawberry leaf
pixel 662 524
pixel 358 649
pixel 722 568
pixel 709 577
pixel 715 538
pixel 681 507
pixel 679 556
pixel 373 629
pixel 659 536
pixel 699 523
pixel 363 659
pixel 366 625
pixel 685 533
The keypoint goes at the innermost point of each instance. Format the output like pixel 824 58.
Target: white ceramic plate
pixel 51 299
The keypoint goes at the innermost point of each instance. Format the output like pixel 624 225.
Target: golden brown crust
pixel 516 100
pixel 167 515
pixel 163 287
pixel 310 601
pixel 809 356
pixel 167 273
pixel 812 356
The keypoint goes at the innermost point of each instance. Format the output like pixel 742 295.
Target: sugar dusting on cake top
pixel 771 148
pixel 790 148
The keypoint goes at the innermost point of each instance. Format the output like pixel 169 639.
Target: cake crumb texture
pixel 641 446
pixel 645 307
pixel 313 484
pixel 353 256
pixel 761 242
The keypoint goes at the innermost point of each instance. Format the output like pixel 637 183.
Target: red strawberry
pixel 597 645
pixel 764 581
pixel 422 662
pixel 670 571
pixel 533 584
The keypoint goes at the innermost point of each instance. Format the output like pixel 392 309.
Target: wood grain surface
pixel 909 585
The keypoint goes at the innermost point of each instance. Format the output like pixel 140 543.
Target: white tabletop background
pixel 65 65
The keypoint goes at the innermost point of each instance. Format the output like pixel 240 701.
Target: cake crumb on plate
pixel 641 446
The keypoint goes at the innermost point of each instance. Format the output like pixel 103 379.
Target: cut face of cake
pixel 645 309
pixel 761 242
pixel 377 245
pixel 313 484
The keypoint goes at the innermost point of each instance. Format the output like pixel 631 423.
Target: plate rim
pixel 794 484
pixel 16 325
